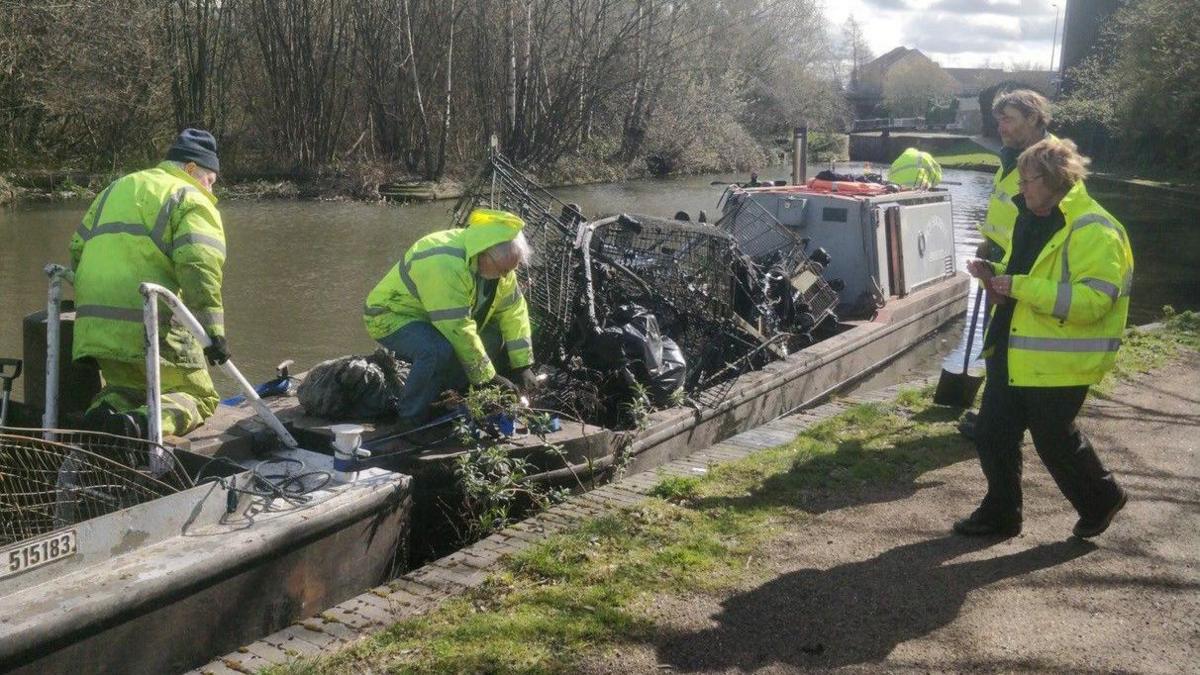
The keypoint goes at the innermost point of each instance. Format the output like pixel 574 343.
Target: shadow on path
pixel 835 481
pixel 853 613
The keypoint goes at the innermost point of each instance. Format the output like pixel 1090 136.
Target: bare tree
pixel 856 47
pixel 198 35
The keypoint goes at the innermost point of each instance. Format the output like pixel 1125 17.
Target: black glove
pixel 528 378
pixel 503 383
pixel 217 352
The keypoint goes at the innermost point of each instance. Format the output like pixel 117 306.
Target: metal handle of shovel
pixel 971 334
pixel 6 382
pixel 153 388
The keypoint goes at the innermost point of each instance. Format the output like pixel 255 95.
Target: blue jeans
pixel 435 366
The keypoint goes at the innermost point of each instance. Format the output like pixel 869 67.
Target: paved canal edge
pixel 425 588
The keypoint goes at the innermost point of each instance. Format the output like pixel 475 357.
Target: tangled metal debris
pixel 616 302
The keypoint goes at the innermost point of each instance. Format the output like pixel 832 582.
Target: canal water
pixel 297 272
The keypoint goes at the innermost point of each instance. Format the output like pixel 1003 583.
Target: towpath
pixel 883 586
pixel 871 580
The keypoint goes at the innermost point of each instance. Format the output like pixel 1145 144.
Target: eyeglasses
pixel 1022 182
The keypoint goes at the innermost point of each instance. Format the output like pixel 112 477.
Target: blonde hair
pixel 1028 102
pixel 1057 160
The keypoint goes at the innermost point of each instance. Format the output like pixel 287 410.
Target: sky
pixel 958 33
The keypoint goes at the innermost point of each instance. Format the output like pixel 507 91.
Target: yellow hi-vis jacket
pixel 1072 306
pixel 159 225
pixel 437 282
pixel 1001 215
pixel 914 168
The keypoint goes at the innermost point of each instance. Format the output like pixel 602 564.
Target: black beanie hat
pixel 195 145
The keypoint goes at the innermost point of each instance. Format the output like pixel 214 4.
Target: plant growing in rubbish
pixel 495 482
pixel 638 407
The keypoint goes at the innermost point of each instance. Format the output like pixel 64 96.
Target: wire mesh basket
pixel 769 244
pixel 550 281
pixel 707 285
pixel 759 234
pixel 47 485
pixel 681 272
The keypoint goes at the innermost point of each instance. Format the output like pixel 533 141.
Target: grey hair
pixel 182 166
pixel 1027 102
pixel 517 247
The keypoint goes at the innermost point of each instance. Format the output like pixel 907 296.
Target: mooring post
pixel 800 154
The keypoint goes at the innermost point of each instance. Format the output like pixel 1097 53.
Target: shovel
pixel 959 389
pixel 6 382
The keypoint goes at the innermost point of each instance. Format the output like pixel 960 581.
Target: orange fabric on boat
pixel 847 187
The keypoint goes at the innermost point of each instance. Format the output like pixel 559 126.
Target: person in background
pixel 1022 117
pixel 452 308
pixel 1062 293
pixel 915 169
pixel 160 225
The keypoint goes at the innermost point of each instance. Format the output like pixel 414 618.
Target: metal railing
pixel 152 293
pixel 57 274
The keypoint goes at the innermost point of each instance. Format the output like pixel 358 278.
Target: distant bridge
pixel 899 124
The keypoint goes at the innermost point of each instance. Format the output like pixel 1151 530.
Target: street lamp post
pixel 1054 40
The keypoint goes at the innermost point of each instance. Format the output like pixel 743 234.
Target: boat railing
pixel 57 274
pixel 184 317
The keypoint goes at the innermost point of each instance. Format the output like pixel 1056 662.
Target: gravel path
pixel 881 585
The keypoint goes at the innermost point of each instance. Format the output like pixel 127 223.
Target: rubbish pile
pixel 632 311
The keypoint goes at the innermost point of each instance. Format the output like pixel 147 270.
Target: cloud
pixel 956 33
pixel 888 5
pixel 1002 7
pixel 1039 28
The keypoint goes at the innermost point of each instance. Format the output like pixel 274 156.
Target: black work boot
pixel 129 425
pixel 97 419
pixel 1091 527
pixel 984 524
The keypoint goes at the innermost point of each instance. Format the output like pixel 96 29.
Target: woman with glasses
pixel 1062 298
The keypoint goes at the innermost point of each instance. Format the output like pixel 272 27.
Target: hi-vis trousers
pixel 188 396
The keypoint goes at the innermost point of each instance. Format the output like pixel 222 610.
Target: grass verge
pixel 966 154
pixel 559 601
pixel 1143 351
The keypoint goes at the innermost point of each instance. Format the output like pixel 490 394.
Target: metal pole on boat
pixel 153 382
pixel 188 320
pixel 800 154
pixel 57 274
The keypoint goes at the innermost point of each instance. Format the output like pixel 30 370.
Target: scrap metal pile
pixel 629 308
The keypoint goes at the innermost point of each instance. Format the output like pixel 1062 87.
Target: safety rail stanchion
pixel 154 292
pixel 153 381
pixel 57 274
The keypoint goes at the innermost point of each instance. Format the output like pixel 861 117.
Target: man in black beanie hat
pixel 160 225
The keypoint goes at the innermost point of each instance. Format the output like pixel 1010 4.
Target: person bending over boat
pixel 1063 298
pixel 159 225
pixel 452 308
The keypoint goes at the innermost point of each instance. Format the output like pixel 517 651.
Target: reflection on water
pixel 298 272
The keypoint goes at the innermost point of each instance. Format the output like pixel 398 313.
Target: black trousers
pixel 1049 415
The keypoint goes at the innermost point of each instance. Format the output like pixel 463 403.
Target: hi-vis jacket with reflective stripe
pixel 437 281
pixel 915 168
pixel 1001 213
pixel 1072 306
pixel 159 225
